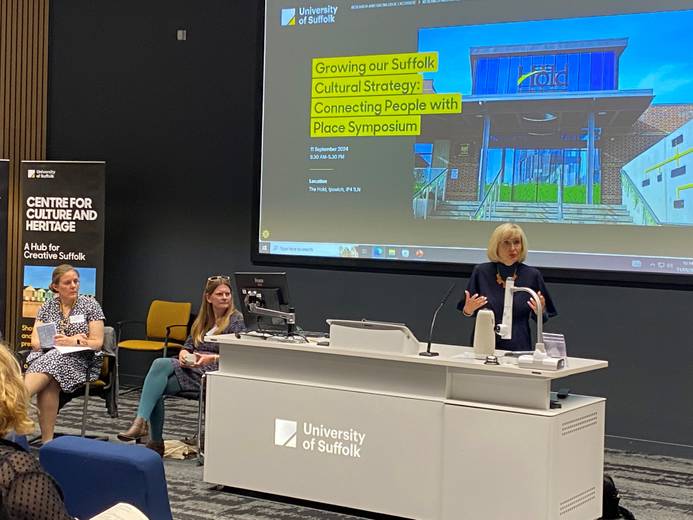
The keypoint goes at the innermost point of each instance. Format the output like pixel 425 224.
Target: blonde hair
pixel 205 318
pixel 14 398
pixel 58 273
pixel 505 232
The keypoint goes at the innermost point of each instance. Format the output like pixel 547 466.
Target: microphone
pixel 428 352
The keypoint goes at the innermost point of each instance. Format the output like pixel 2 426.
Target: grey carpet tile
pixel 652 487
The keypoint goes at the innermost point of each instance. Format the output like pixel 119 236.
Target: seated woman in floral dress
pixel 79 322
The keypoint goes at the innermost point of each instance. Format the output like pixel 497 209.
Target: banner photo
pixel 62 223
pixel 4 187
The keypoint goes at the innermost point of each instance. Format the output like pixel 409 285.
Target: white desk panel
pixel 430 438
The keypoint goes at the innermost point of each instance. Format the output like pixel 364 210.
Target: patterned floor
pixel 653 488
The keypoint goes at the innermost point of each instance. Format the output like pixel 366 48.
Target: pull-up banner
pixel 62 223
pixel 4 185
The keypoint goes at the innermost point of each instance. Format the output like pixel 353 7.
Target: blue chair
pixel 18 439
pixel 134 474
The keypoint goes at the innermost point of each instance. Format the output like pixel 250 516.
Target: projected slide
pixel 407 130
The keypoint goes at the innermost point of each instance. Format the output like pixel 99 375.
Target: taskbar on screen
pixel 458 255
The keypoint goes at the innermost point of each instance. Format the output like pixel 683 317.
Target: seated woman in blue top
pixel 168 376
pixel 507 249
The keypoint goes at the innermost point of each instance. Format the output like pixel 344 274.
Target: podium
pixel 396 433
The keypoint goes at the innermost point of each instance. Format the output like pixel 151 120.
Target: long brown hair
pixel 205 318
pixel 14 399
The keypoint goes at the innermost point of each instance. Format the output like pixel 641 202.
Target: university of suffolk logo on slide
pixel 289 17
pixel 285 433
pixel 309 15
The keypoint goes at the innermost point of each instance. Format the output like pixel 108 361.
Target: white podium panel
pixel 373 335
pixel 360 450
pixel 320 367
pixel 503 389
pixel 522 464
pixel 444 437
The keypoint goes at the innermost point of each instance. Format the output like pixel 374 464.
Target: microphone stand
pixel 427 352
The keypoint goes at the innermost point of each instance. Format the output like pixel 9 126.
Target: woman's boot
pixel 157 446
pixel 138 429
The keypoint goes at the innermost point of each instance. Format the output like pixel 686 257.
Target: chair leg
pixel 116 381
pixel 85 408
pixel 200 410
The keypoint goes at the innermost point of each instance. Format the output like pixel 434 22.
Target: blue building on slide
pixel 544 136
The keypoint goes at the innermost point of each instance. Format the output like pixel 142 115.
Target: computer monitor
pixel 273 290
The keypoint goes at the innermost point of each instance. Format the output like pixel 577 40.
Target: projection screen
pixel 398 134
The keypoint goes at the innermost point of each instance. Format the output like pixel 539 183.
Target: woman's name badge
pixel 77 318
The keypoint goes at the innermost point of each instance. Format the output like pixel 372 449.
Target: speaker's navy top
pixel 483 282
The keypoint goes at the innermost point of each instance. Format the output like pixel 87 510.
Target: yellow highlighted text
pixel 365 126
pixel 375 64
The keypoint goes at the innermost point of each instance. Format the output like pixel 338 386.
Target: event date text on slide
pixel 328 153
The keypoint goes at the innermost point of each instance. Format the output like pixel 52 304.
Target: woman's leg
pixel 47 391
pixel 36 381
pixel 48 401
pixel 154 386
pixel 156 419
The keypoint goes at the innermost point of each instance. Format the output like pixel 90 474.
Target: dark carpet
pixel 653 488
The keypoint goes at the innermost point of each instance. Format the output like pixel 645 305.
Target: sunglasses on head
pixel 219 278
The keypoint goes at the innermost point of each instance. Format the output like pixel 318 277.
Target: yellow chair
pixel 166 327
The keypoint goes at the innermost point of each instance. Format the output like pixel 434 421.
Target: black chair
pixel 195 395
pixel 106 386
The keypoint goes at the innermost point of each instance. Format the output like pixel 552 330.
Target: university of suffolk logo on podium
pixel 285 432
pixel 319 438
